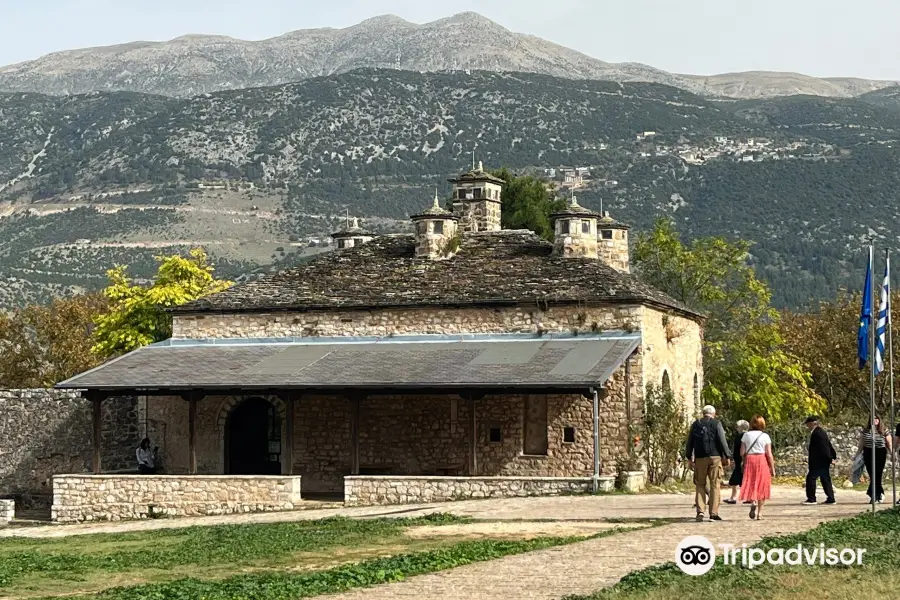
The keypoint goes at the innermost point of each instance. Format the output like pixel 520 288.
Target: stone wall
pixel 364 490
pixel 7 511
pixel 672 345
pixel 408 322
pixel 120 497
pixel 44 432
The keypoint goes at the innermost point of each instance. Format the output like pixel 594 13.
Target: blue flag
pixel 865 318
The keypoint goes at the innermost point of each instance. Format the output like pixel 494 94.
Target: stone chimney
pixel 352 235
pixel 436 232
pixel 575 231
pixel 612 239
pixel 476 200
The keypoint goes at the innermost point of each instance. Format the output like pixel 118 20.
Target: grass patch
pixel 27 562
pixel 880 570
pixel 284 586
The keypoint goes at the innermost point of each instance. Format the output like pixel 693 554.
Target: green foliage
pixel 220 544
pixel 137 317
pixel 527 203
pixel 876 533
pixel 43 345
pixel 664 432
pixel 748 368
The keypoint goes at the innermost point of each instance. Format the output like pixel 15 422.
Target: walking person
pixel 741 427
pixel 881 441
pixel 759 466
pixel 708 451
pixel 821 457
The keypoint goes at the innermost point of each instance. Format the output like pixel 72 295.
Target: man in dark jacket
pixel 707 450
pixel 821 457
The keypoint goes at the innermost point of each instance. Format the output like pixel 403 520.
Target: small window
pixel 461 194
pixel 476 193
pixel 439 228
pixel 585 227
pixel 607 234
pixel 496 194
pixel 357 241
pixel 495 436
pixel 568 435
pixel 569 227
pixel 342 243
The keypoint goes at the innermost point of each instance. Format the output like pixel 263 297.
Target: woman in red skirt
pixel 759 466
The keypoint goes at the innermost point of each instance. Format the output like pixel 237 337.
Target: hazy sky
pixel 818 37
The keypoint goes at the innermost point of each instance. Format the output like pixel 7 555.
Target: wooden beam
pixel 473 438
pixel 289 432
pixel 97 401
pixel 193 398
pixel 354 434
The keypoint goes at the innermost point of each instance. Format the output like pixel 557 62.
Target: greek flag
pixel 883 316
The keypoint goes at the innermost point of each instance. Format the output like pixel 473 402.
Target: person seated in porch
pixel 146 458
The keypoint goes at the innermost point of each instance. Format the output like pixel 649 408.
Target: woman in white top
pixel 759 466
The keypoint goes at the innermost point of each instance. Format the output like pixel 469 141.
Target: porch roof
pixel 493 362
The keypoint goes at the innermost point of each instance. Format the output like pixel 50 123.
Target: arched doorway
pixel 253 439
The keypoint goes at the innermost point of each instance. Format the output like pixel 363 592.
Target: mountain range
pixel 261 176
pixel 197 64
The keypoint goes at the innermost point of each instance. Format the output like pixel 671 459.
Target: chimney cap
pixel 575 210
pixel 353 229
pixel 435 211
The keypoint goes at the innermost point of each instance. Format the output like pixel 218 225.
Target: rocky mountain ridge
pixel 261 176
pixel 198 64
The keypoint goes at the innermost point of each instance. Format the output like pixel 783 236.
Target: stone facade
pixel 363 490
pixel 44 432
pixel 670 352
pixel 412 435
pixel 612 247
pixel 79 498
pixel 382 322
pixel 7 511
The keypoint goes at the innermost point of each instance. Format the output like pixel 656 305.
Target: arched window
pixel 666 384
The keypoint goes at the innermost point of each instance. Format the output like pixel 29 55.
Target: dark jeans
pixel 825 476
pixel 145 470
pixel 880 460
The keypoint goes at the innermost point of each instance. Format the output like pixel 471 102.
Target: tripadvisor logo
pixel 696 555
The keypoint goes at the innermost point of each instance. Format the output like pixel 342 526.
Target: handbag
pixel 856 469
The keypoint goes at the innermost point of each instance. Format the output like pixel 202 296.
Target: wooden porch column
pixel 289 432
pixel 473 434
pixel 192 398
pixel 354 433
pixel 97 421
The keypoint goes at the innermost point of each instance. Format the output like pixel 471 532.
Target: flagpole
pixel 890 349
pixel 873 323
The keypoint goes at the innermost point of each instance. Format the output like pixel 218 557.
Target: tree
pixel 527 203
pixel 137 314
pixel 824 336
pixel 43 345
pixel 748 367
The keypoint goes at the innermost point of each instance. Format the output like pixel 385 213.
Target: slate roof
pixel 476 175
pixel 497 268
pixel 442 362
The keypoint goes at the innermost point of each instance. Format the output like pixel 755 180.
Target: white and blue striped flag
pixel 883 317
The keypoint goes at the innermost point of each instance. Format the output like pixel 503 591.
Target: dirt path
pixel 588 566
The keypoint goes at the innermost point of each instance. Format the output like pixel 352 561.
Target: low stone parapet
pixel 80 498
pixel 7 511
pixel 364 490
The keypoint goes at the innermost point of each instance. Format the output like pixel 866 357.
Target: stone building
pixel 462 360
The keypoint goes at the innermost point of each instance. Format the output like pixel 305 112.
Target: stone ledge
pixel 78 498
pixel 365 490
pixel 7 511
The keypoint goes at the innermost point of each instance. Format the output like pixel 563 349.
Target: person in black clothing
pixel 737 475
pixel 821 457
